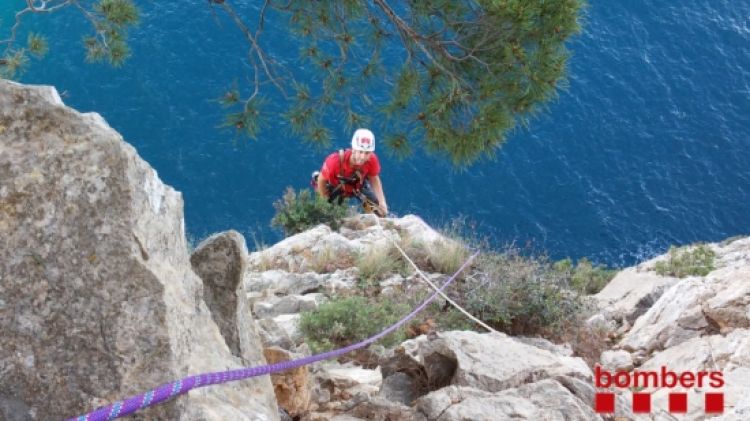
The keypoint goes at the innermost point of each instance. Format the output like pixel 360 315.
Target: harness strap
pixel 354 180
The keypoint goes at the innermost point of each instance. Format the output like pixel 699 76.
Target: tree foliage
pixel 467 73
pixel 109 19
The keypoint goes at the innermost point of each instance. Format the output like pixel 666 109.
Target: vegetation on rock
pixel 687 261
pixel 346 320
pixel 297 212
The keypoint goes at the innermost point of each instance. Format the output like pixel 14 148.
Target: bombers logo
pixel 604 402
pixel 365 141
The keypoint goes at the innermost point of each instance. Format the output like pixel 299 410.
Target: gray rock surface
pixel 219 261
pixel 631 293
pixel 98 298
pixel 617 360
pixel 728 354
pixel 483 361
pixel 401 388
pixel 696 306
pixel 543 400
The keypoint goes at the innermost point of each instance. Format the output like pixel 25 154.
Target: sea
pixel 646 147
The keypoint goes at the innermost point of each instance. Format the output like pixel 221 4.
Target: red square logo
pixel 641 403
pixel 714 403
pixel 604 403
pixel 678 403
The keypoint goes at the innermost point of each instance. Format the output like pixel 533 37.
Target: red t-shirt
pixel 330 170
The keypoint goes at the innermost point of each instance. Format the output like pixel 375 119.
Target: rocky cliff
pixel 100 300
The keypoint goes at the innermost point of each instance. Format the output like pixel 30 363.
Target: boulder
pixel 696 306
pixel 560 349
pixel 220 262
pixel 292 387
pixel 378 408
pixel 487 361
pixel 546 399
pixel 631 293
pixel 676 317
pixel 272 334
pixel 348 375
pixel 617 360
pixel 290 304
pixel 279 282
pixel 323 250
pixel 318 249
pixel 729 308
pixel 401 388
pixel 99 301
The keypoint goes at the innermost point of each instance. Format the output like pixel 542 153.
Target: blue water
pixel 649 146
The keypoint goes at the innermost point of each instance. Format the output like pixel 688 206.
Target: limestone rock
pixel 401 388
pixel 631 293
pixel 289 323
pixel 730 307
pixel 271 334
pixel 729 354
pixel 96 285
pixel 675 318
pixel 288 304
pixel 280 282
pixel 380 409
pixel 546 399
pixel 220 262
pixel 348 376
pixel 322 250
pixel 292 387
pixel 718 302
pixel 316 248
pixel 565 350
pixel 483 361
pixel 617 360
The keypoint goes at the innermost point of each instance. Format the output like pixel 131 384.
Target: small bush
pixel 379 263
pixel 684 262
pixel 296 213
pixel 522 295
pixel 448 256
pixel 343 321
pixel 324 261
pixel 417 252
pixel 584 276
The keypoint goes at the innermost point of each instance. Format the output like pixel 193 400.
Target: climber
pixel 353 173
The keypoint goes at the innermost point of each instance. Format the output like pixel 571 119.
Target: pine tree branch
pixel 256 50
pixel 44 6
pixel 404 28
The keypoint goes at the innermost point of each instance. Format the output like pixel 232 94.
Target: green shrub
pixel 522 295
pixel 296 213
pixel 584 276
pixel 343 321
pixel 687 261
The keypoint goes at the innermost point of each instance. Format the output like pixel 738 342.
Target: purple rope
pixel 168 391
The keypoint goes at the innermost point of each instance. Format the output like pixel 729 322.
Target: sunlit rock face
pixel 98 301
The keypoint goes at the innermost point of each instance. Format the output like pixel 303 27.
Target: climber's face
pixel 359 158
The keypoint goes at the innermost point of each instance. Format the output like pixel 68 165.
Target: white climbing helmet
pixel 363 140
